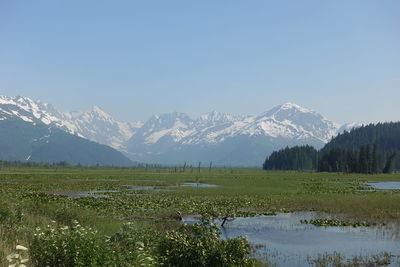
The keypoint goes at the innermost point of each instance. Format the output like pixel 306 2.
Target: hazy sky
pixel 139 58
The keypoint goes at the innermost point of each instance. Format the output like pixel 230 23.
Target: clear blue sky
pixel 139 58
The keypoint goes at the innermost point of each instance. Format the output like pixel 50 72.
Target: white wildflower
pixel 19 247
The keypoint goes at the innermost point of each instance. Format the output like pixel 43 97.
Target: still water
pixel 283 240
pixel 385 185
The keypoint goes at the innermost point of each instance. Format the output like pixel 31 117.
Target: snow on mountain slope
pixel 288 121
pixel 99 126
pixel 28 110
pixel 175 136
pixel 174 125
pixel 292 121
pixel 95 124
pixel 161 135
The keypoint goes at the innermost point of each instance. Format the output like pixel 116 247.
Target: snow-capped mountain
pixel 34 131
pixel 95 124
pixel 99 126
pixel 213 136
pixel 175 137
pixel 292 121
pixel 28 110
pixel 287 120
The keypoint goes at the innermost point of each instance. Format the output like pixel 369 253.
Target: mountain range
pixel 33 131
pixel 174 138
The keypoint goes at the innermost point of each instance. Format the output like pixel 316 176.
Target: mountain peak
pixel 284 109
pixel 96 110
pixel 212 115
pixel 289 105
pixel 5 99
pixel 172 116
pixel 175 131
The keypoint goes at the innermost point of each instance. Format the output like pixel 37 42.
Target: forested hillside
pixel 373 148
pixel 295 158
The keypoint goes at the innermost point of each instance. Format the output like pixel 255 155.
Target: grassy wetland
pixel 130 217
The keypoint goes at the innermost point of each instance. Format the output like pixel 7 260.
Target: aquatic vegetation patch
pixel 333 222
pixel 338 260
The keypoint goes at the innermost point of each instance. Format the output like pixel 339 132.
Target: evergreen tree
pixel 295 158
pixel 363 160
pixel 374 164
pixel 365 150
pixel 389 164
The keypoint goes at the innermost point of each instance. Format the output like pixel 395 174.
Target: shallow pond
pixel 287 242
pixel 385 185
pixel 191 184
pixel 138 187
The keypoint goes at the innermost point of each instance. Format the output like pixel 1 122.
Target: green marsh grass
pixel 33 197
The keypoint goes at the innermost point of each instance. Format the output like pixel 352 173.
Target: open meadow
pixel 134 215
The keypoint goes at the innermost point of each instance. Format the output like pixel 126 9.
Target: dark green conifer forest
pixel 374 148
pixel 295 158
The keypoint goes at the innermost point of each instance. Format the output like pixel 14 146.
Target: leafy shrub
pixel 136 245
pixel 66 215
pixel 69 246
pixel 200 245
pixel 189 245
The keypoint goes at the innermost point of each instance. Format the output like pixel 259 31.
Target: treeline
pixel 366 159
pixel 295 158
pixel 32 164
pixel 374 148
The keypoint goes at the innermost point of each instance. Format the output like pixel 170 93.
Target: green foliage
pixel 32 164
pixel 200 245
pixel 69 246
pixel 10 219
pixel 369 149
pixel 5 213
pixel 295 158
pixel 190 245
pixel 389 164
pixel 371 146
pixel 136 245
pixel 37 196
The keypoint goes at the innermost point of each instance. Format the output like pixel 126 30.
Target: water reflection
pixel 287 242
pixel 191 184
pixel 385 185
